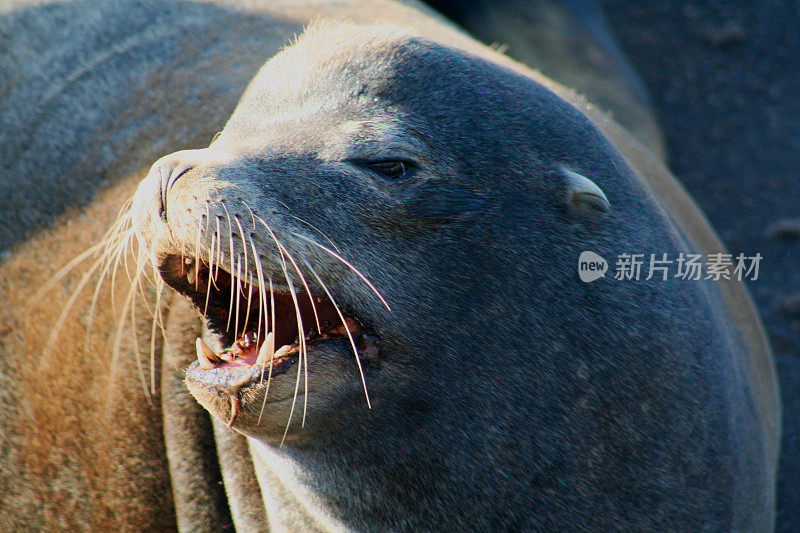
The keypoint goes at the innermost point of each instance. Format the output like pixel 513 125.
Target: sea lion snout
pixel 162 177
pixel 171 194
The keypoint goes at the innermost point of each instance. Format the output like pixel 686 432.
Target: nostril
pixel 176 173
pixel 169 173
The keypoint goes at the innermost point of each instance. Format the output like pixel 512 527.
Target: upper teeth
pixel 283 350
pixel 191 270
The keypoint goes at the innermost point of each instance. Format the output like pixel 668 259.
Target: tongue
pixel 238 356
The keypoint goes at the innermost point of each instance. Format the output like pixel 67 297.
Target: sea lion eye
pixel 393 170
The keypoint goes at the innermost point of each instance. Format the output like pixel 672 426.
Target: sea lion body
pixel 508 394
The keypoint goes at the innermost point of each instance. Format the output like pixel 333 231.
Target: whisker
pixel 156 320
pixel 234 293
pixel 348 265
pixel 301 338
pixel 123 225
pixel 137 352
pixel 246 274
pixel 239 269
pixel 282 249
pixel 219 252
pixel 269 377
pixel 64 270
pixel 197 254
pixel 247 311
pixel 107 260
pixel 141 269
pixel 51 341
pixel 308 290
pixel 122 257
pixel 261 295
pixel 312 226
pixel 210 272
pixel 303 359
pixel 117 346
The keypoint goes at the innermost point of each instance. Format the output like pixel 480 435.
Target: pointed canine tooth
pixel 202 357
pixel 283 350
pixel 207 351
pixel 191 274
pixel 267 349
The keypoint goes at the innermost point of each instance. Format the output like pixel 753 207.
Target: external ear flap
pixel 584 194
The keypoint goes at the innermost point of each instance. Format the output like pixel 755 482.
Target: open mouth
pixel 259 327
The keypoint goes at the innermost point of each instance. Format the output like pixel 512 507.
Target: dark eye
pixel 393 170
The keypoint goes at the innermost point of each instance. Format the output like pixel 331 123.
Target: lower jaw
pixel 257 400
pixel 232 393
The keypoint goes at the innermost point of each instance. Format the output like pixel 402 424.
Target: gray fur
pixel 509 395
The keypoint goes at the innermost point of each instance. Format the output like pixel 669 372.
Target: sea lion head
pixel 407 202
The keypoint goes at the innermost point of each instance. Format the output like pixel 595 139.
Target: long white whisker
pixel 122 257
pixel 308 290
pixel 118 231
pixel 235 279
pixel 282 249
pixel 348 265
pixel 312 226
pixel 197 254
pixel 108 261
pixel 117 346
pixel 156 320
pixel 136 351
pixel 51 341
pixel 210 273
pixel 246 274
pixel 219 252
pixel 237 292
pixel 269 377
pixel 261 296
pixel 303 355
pixel 66 269
pixel 303 359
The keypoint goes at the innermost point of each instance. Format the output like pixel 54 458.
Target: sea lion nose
pixel 165 195
pixel 149 208
pixel 166 172
pixel 170 172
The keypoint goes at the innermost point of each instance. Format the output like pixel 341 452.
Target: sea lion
pixel 362 148
pixel 440 197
